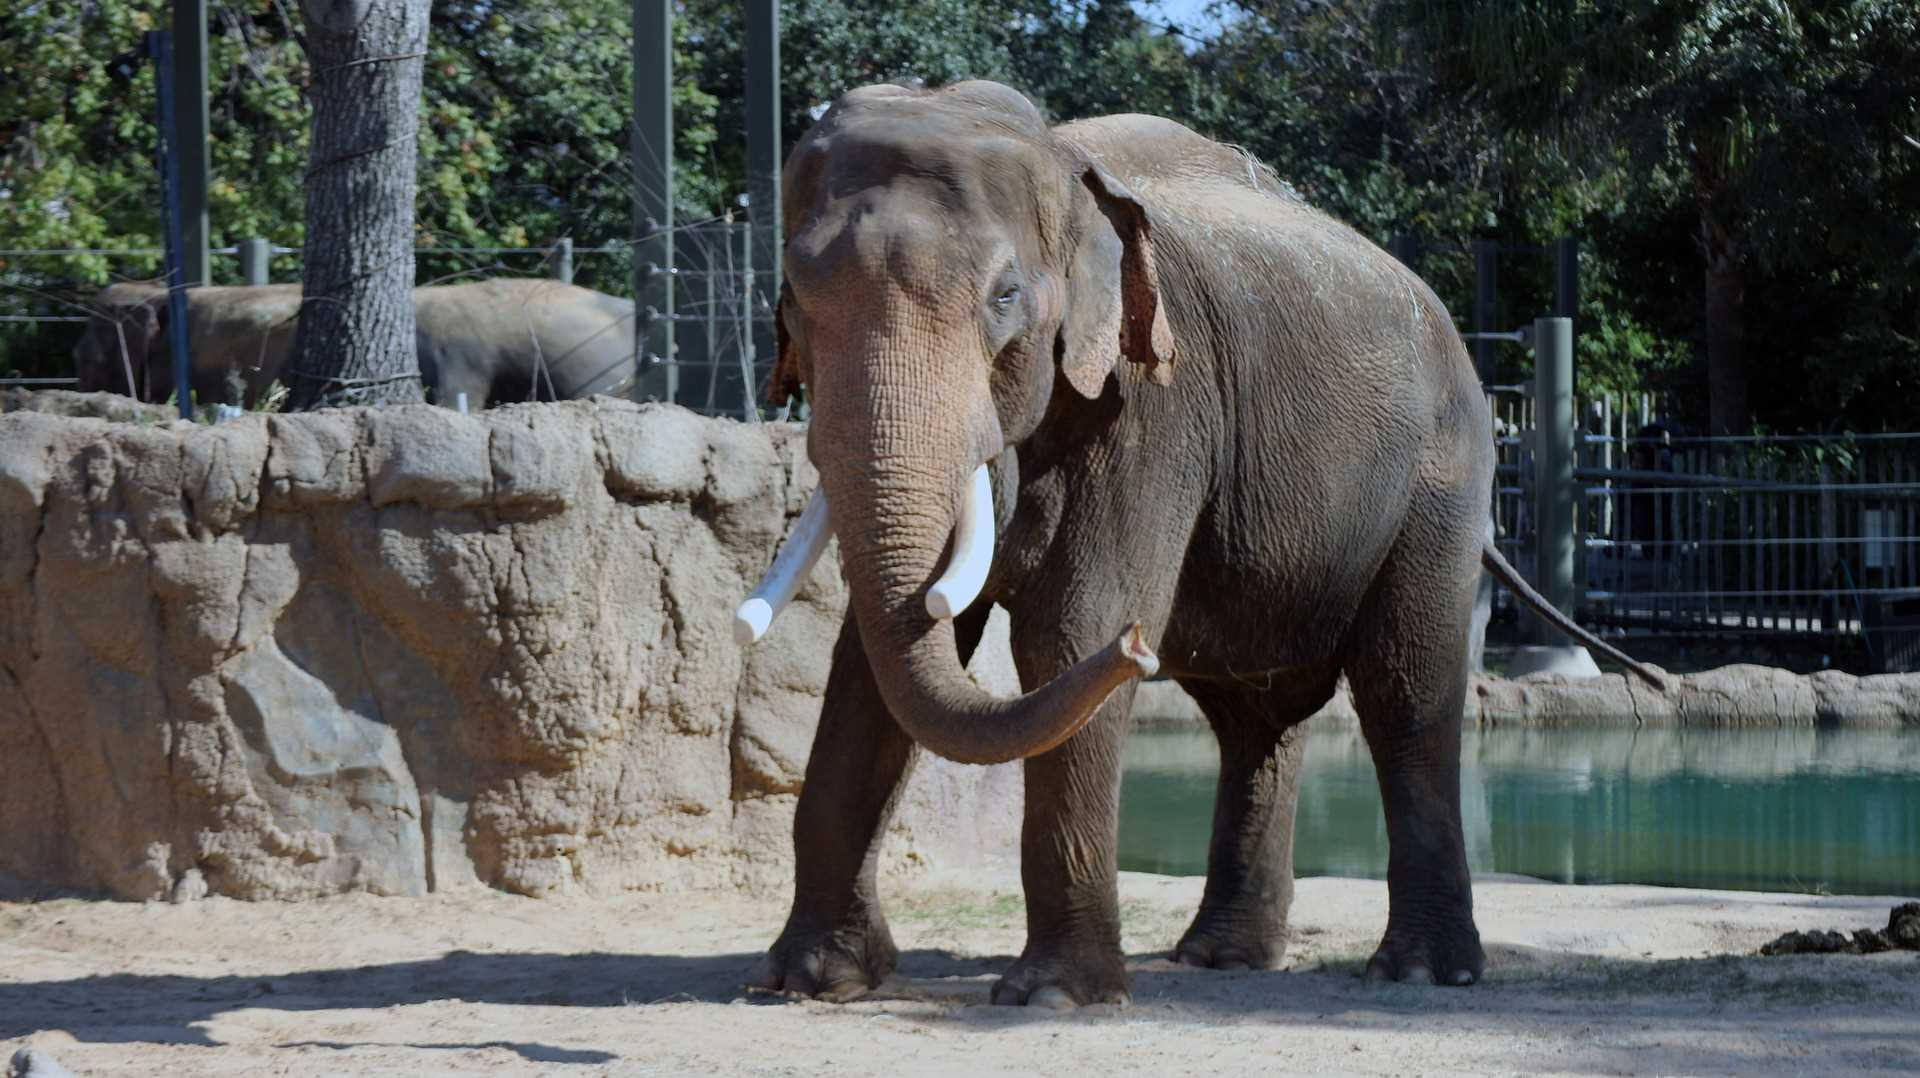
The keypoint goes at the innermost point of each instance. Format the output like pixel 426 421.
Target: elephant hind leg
pixel 1407 663
pixel 1242 921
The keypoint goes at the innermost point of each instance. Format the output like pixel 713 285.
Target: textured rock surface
pixel 406 650
pixel 98 405
pixel 1739 695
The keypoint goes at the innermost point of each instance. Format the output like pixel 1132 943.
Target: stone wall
pixel 1730 696
pixel 406 650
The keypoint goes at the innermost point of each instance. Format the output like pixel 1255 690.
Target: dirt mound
pixel 1902 932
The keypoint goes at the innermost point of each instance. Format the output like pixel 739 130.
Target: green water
pixel 1772 810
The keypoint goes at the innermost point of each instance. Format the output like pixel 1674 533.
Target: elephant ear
pixel 784 383
pixel 1113 292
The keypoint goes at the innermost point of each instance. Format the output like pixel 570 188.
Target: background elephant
pixel 504 339
pixel 238 339
pixel 1227 436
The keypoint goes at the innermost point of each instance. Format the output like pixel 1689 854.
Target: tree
pixel 1769 118
pixel 355 342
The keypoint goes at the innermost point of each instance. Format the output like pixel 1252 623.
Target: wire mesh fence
pixel 1806 537
pixel 720 307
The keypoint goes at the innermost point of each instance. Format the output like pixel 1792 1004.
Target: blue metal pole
pixel 160 49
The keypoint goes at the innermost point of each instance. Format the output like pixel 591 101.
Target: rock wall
pixel 404 650
pixel 1738 695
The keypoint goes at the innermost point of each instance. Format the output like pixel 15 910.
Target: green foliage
pixel 1781 137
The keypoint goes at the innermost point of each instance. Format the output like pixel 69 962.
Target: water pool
pixel 1769 810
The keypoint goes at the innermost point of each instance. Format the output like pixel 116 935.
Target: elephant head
pixel 952 266
pixel 124 329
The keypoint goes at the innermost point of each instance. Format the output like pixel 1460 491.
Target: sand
pixel 1581 980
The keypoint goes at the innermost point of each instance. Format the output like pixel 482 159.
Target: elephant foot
pixel 1061 978
pixel 1446 955
pixel 833 964
pixel 1220 943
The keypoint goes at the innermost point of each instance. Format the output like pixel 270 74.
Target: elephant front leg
pixel 836 944
pixel 1068 867
pixel 1242 922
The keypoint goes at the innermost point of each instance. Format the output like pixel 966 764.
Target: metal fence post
pixel 159 47
pixel 1486 289
pixel 1566 277
pixel 749 348
pixel 253 261
pixel 763 169
pixel 1553 484
pixel 1405 249
pixel 561 260
pixel 188 136
pixel 653 282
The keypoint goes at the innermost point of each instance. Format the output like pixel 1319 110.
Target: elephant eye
pixel 1007 295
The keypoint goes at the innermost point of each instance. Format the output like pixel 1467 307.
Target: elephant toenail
pixel 1051 998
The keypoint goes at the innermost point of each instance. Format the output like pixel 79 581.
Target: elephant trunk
pixel 894 514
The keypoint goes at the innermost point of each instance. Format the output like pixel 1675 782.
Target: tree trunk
pixel 1723 248
pixel 355 342
pixel 1726 287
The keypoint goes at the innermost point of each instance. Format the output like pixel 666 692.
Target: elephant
pixel 234 335
pixel 502 339
pixel 1142 396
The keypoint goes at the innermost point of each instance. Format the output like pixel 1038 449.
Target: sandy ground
pixel 1581 980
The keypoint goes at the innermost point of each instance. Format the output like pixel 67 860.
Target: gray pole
pixel 253 261
pixel 763 169
pixel 562 259
pixel 653 186
pixel 160 49
pixel 749 326
pixel 1406 249
pixel 1566 277
pixel 1486 286
pixel 189 135
pixel 1553 488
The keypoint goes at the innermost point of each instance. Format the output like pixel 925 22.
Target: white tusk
pixel 790 566
pixel 960 585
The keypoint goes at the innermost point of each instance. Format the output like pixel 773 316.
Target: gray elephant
pixel 504 339
pixel 236 338
pixel 1216 432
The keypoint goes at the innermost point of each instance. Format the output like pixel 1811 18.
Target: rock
pixel 1903 926
pixel 1869 941
pixel 406 650
pixel 33 1063
pixel 66 402
pixel 1903 931
pixel 1812 942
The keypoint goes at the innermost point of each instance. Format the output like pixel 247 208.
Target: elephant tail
pixel 1505 573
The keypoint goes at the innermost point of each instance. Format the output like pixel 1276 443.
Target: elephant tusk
pixel 966 572
pixel 790 566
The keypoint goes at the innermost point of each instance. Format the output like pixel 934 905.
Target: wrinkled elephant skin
pixel 1209 411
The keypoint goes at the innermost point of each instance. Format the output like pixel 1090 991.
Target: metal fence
pixel 721 308
pixel 1807 537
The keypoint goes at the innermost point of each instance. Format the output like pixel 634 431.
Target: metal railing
pixel 1809 537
